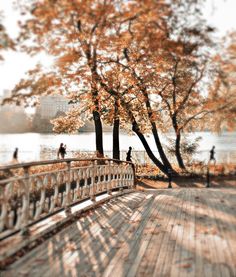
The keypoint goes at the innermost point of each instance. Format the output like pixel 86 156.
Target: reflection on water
pixel 34 146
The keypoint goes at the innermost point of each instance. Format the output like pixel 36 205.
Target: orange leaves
pixel 222 91
pixel 70 123
pixel 120 50
pixel 68 58
pixel 5 41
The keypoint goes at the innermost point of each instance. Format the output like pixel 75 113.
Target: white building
pixel 50 105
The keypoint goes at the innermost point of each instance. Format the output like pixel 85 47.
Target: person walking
pixel 212 155
pixel 65 149
pixel 128 155
pixel 61 151
pixel 15 155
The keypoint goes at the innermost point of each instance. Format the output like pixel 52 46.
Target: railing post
pixel 68 190
pixel 26 200
pixel 122 178
pixel 92 191
pixel 109 178
pixel 29 212
pixel 169 178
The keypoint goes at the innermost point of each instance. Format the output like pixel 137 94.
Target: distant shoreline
pixel 32 145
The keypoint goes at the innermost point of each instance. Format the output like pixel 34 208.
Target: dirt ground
pixel 144 183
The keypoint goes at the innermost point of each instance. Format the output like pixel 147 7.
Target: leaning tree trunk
pixel 162 167
pixel 98 134
pixel 135 128
pixel 178 152
pixel 116 140
pixel 177 142
pixel 159 147
pixel 155 133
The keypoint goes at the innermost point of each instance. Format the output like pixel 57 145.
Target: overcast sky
pixel 220 13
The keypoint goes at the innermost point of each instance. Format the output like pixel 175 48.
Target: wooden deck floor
pixel 176 232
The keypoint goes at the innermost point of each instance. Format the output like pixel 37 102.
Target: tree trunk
pixel 135 128
pixel 98 134
pixel 116 141
pixel 177 142
pixel 116 127
pixel 159 147
pixel 163 168
pixel 177 151
pixel 155 132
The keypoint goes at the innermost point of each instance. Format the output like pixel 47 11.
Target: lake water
pixel 34 146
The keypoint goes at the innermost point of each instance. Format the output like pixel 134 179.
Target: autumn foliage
pixel 143 66
pixel 5 41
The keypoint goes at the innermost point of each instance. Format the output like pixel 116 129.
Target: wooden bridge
pixel 86 218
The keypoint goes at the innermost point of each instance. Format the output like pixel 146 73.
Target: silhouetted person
pixel 128 155
pixel 15 154
pixel 61 151
pixel 212 155
pixel 64 150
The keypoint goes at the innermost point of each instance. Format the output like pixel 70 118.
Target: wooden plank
pixel 139 235
pixel 177 233
pixel 133 232
pixel 225 233
pixel 226 212
pixel 180 236
pixel 213 247
pixel 132 264
pixel 159 241
pixel 166 243
pixel 82 246
pixel 190 255
pixel 79 227
pixel 203 264
pixel 148 262
pixel 210 236
pixel 115 244
pixel 47 225
pixel 199 238
pixel 129 228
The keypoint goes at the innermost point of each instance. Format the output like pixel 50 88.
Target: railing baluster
pixel 93 184
pixel 109 177
pixel 68 189
pixel 30 197
pixel 4 202
pixel 25 200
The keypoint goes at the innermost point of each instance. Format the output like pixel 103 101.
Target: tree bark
pixel 159 147
pixel 135 128
pixel 162 167
pixel 98 134
pixel 154 127
pixel 116 127
pixel 178 152
pixel 177 142
pixel 116 140
pixel 92 62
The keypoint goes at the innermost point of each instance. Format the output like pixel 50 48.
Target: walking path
pixel 163 232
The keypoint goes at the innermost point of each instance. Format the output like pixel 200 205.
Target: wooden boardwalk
pixel 176 232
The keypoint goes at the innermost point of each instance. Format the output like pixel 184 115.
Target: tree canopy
pixel 143 65
pixel 5 41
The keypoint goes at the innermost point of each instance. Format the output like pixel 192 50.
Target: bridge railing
pixel 30 194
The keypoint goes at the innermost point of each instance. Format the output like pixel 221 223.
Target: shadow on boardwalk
pixel 166 232
pixel 186 183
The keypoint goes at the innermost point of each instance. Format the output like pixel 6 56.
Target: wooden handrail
pixel 56 161
pixel 26 199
